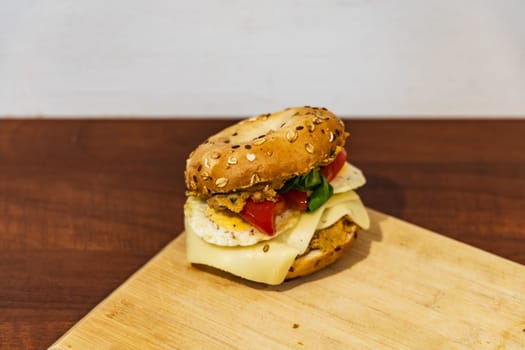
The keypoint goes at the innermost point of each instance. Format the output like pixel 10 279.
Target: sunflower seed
pixel 254 179
pixel 291 135
pixel 309 148
pixel 258 142
pixel 221 182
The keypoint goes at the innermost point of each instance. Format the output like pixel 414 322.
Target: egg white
pixel 221 228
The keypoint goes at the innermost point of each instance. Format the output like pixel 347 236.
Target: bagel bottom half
pixel 326 247
pixel 274 262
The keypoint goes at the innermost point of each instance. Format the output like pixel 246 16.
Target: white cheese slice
pixel 268 262
pixel 336 207
pixel 348 178
pixel 353 208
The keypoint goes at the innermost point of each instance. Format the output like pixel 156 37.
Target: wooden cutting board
pixel 400 287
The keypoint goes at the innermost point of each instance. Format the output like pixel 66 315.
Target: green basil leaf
pixel 320 195
pixel 312 179
pixel 313 182
pixel 304 182
pixel 290 184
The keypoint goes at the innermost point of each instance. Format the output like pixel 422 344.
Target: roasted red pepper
pixel 262 214
pixel 331 170
pixel 297 199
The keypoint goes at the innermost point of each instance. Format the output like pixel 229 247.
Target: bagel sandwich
pixel 273 197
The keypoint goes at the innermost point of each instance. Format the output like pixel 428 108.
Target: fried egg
pixel 228 229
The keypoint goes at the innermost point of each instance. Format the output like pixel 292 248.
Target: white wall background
pixel 234 57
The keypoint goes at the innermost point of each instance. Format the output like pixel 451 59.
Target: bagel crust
pixel 265 150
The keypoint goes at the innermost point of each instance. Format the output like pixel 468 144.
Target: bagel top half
pixel 265 150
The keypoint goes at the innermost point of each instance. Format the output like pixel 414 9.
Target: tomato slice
pixel 297 199
pixel 331 170
pixel 262 214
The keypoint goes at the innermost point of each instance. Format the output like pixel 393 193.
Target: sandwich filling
pixel 218 237
pixel 263 207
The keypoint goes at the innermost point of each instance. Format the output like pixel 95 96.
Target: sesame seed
pixel 250 157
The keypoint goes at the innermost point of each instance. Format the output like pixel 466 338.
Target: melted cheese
pixel 349 204
pixel 269 261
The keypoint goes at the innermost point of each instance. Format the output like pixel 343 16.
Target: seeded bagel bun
pixel 318 258
pixel 265 150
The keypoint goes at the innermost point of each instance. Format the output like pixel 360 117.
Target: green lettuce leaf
pixel 315 184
